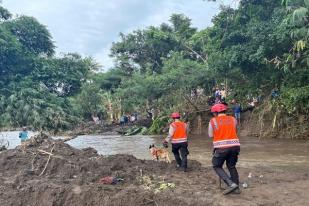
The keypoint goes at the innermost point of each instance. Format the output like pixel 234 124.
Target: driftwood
pixel 50 154
pixel 44 152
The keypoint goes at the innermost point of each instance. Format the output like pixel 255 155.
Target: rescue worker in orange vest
pixel 222 129
pixel 178 136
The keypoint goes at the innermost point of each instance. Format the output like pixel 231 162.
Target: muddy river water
pixel 254 152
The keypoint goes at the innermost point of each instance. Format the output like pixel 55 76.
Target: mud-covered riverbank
pixel 72 177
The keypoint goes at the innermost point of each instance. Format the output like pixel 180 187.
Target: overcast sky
pixel 90 26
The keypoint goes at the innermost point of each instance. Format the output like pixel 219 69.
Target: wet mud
pixel 51 172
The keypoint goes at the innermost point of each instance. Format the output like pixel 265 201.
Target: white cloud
pixel 89 27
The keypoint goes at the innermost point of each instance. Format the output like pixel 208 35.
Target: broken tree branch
pixel 44 152
pixel 47 160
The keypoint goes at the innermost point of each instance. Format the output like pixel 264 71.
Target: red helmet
pixel 218 108
pixel 175 115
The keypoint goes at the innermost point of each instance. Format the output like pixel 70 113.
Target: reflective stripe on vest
pixel 180 132
pixel 224 130
pixel 226 143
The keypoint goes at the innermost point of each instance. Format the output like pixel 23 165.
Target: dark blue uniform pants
pixel 180 151
pixel 230 156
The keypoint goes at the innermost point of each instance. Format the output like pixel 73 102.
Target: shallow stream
pixel 254 152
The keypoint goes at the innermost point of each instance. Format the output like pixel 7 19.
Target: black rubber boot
pixel 230 189
pixel 236 191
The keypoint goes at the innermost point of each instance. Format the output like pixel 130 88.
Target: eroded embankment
pixel 72 177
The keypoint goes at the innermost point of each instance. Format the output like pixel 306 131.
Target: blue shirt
pixel 23 135
pixel 236 108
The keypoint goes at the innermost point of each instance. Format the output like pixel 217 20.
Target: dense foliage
pixel 252 49
pixel 34 84
pixel 259 46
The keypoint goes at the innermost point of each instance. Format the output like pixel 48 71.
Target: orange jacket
pixel 224 131
pixel 180 132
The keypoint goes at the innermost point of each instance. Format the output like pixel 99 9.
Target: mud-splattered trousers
pixel 180 151
pixel 230 156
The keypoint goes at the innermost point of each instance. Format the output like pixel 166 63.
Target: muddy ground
pixel 72 177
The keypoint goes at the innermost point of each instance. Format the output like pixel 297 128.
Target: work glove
pixel 165 144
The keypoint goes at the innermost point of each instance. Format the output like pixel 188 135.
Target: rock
pixel 245 185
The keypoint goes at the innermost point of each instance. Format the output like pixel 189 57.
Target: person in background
pixel 193 93
pixel 275 93
pixel 95 118
pixel 211 100
pixel 255 101
pixel 236 110
pixel 218 93
pixel 126 119
pixel 135 115
pixel 199 91
pixel 217 100
pixel 122 120
pixel 154 112
pixel 178 135
pixel 222 128
pixel 223 94
pixel 132 118
pixel 23 135
pixel 149 114
pixel 251 105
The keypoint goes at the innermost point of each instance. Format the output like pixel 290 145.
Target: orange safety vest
pixel 224 130
pixel 180 132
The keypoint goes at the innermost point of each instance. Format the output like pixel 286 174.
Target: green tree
pixel 89 101
pixel 143 50
pixel 4 14
pixel 34 84
pixel 31 34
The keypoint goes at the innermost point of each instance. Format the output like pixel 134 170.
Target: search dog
pixel 158 154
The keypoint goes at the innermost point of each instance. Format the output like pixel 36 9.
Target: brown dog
pixel 157 154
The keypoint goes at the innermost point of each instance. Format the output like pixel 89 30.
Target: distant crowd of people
pixel 220 97
pixel 126 119
pixel 197 92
